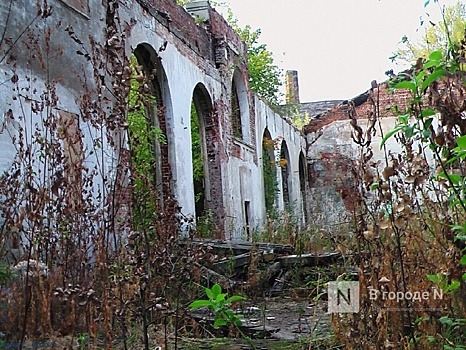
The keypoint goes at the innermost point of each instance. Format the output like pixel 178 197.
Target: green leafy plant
pixel 269 174
pixel 82 338
pixel 5 274
pixel 219 304
pixel 412 220
pixel 454 330
pixel 205 224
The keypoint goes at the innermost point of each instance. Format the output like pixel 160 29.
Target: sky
pixel 337 46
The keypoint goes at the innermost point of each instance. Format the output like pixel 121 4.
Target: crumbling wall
pixel 62 51
pixel 332 156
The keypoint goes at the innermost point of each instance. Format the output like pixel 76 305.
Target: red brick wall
pixel 331 172
pixel 181 24
pixel 387 99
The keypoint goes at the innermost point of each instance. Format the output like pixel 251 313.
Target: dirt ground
pixel 288 324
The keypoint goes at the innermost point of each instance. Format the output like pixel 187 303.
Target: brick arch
pixel 302 184
pixel 285 167
pixel 208 132
pixel 239 107
pixel 160 116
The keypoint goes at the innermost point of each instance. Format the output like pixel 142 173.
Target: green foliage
pixel 5 274
pixel 443 36
pixel 83 339
pixel 143 135
pixel 269 174
pixel 433 68
pixel 219 304
pixel 298 119
pixel 198 164
pixel 413 218
pixel 454 332
pixel 205 224
pixel 416 124
pixel 265 78
pixel 441 280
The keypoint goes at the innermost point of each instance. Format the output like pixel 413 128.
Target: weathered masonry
pixel 332 152
pixel 61 61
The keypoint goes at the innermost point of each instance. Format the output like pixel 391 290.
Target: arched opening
pixel 236 123
pixel 269 171
pixel 201 110
pixel 208 193
pixel 239 108
pixel 302 183
pixel 147 134
pixel 286 178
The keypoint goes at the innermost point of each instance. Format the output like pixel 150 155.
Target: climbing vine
pixel 269 174
pixel 143 135
pixel 197 159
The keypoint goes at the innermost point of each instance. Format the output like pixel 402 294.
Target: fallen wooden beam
pixel 228 264
pixel 309 259
pixel 215 277
pixel 239 247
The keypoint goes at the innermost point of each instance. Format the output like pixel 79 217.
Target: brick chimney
pixel 292 87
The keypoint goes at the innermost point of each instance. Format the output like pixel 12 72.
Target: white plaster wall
pixel 326 205
pixel 183 74
pixel 336 137
pixel 184 69
pixel 280 130
pixel 101 161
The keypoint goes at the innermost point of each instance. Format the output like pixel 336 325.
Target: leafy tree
pixel 442 36
pixel 265 78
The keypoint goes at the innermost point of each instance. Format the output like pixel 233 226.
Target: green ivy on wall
pixel 269 173
pixel 143 135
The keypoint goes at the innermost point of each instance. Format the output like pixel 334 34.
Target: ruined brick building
pixel 66 61
pixel 63 58
pixel 332 153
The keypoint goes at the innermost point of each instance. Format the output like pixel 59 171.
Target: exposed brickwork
pixel 363 107
pixel 331 172
pixel 334 170
pixel 215 150
pixel 220 29
pixel 292 87
pixel 181 24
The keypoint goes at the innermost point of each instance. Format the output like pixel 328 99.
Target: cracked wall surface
pixel 332 156
pixel 188 55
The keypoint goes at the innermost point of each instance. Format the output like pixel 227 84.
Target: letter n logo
pixel 343 297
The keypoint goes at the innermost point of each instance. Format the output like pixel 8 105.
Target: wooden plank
pixel 215 277
pixel 240 247
pixel 309 259
pixel 227 265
